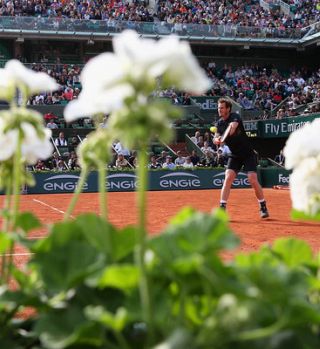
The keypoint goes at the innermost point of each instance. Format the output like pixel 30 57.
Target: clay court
pixel 242 209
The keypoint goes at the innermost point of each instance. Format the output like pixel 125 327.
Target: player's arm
pixel 233 127
pixel 217 138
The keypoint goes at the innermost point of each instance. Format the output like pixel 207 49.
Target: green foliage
pixel 84 286
pixel 299 215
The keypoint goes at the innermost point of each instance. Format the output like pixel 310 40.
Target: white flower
pixel 169 55
pixel 33 146
pixel 305 186
pixel 91 102
pixel 102 72
pixel 5 78
pixel 8 142
pixel 302 143
pixel 6 85
pixel 182 67
pixel 34 81
pixel 140 57
pixel 133 69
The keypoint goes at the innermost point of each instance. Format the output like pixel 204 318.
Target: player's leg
pixel 251 167
pixel 253 179
pixel 233 167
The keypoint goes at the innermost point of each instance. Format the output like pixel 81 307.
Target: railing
pixel 265 5
pixel 285 8
pixel 311 29
pixel 104 28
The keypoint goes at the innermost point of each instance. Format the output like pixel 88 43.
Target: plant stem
pixel 121 340
pixel 102 189
pixel 141 239
pixel 16 188
pixel 5 226
pixel 77 192
pixel 262 332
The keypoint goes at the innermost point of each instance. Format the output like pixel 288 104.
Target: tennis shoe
pixel 264 211
pixel 223 206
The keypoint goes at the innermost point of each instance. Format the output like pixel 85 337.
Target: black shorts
pixel 248 163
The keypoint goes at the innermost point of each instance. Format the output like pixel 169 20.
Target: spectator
pixel 40 166
pixel 52 125
pixel 188 163
pixel 179 161
pixel 154 164
pixel 208 160
pixel 195 159
pixel 225 150
pixel 195 138
pixel 120 149
pixel 280 159
pixel 133 159
pixel 168 164
pixel 206 148
pixel 221 161
pixel 74 141
pixel 61 141
pixel 162 158
pixel 121 162
pixel 61 166
pixel 73 161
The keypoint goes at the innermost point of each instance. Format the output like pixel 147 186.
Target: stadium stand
pixel 261 54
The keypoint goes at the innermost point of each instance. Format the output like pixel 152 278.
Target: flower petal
pixel 33 146
pixel 302 143
pixel 36 82
pixel 304 185
pixel 91 102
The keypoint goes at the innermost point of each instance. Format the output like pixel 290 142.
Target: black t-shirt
pixel 239 142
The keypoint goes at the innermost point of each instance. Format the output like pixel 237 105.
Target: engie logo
pixel 179 180
pixel 240 181
pixel 63 183
pixel 283 179
pixel 121 181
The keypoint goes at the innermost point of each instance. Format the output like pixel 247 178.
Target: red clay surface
pixel 242 209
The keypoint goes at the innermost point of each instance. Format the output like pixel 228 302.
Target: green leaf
pixel 61 329
pixel 299 215
pixel 124 277
pixel 194 232
pixel 61 234
pixel 124 241
pixel 5 242
pixel 116 322
pixel 104 237
pixel 180 339
pixel 27 221
pixel 96 231
pixel 293 252
pixel 63 267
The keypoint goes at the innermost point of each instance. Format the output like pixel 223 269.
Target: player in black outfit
pixel 242 154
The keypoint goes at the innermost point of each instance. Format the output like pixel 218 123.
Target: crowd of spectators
pixel 254 87
pixel 177 13
pixel 95 10
pixel 247 13
pixel 263 88
pixel 66 75
pixel 64 158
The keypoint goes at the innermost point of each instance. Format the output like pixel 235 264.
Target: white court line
pixel 34 237
pixel 47 205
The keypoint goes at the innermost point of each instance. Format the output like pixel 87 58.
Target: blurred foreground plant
pixel 91 285
pixel 302 152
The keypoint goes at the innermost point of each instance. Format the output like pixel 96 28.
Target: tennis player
pixel 230 130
